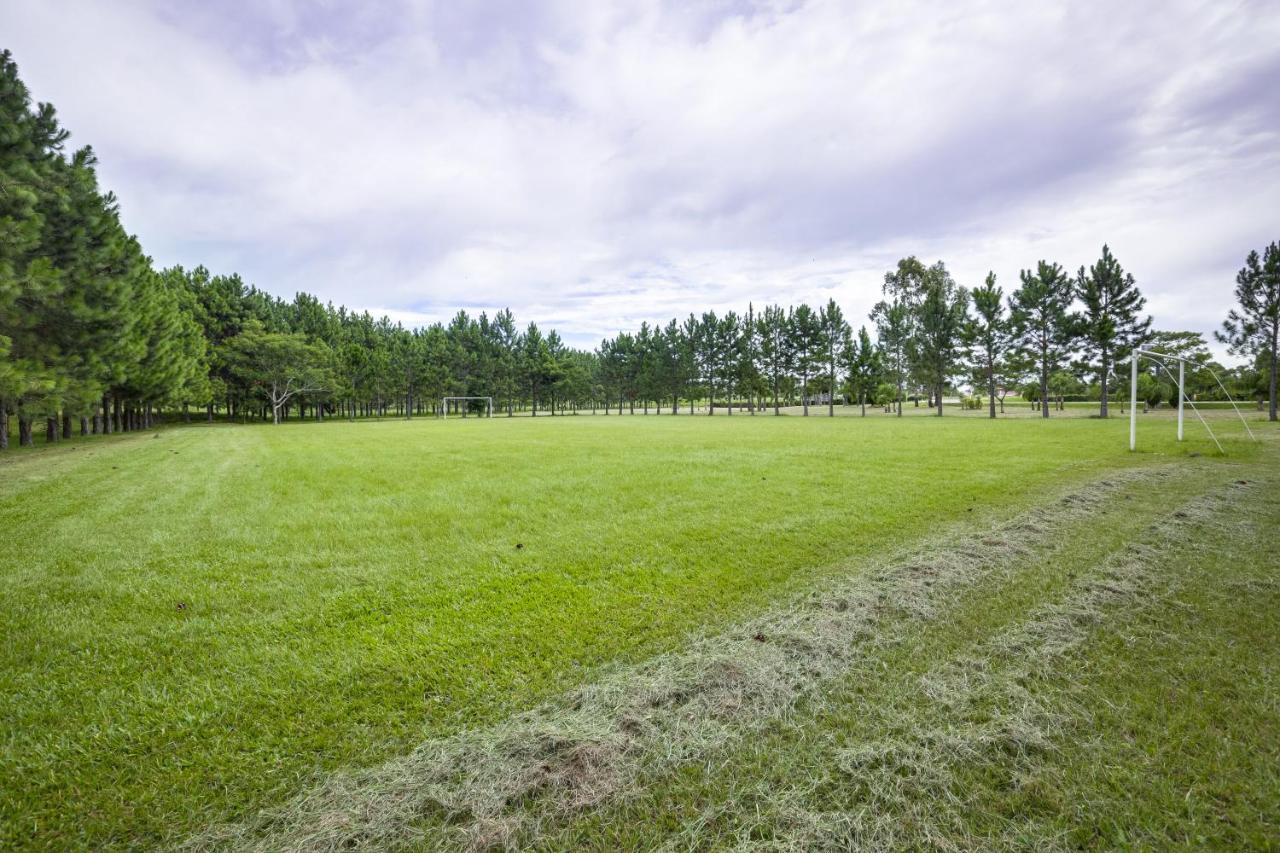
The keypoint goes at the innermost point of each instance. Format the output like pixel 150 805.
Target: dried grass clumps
pixel 991 716
pixel 493 787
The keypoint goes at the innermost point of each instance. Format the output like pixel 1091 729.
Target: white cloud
pixel 592 165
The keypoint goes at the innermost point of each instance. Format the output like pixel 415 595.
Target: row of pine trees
pixel 94 339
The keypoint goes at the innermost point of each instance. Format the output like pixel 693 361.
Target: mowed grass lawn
pixel 197 622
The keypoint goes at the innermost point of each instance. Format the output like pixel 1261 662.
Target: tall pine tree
pixel 1111 324
pixel 987 335
pixel 1254 327
pixel 1044 326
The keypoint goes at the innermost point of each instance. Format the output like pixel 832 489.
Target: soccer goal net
pixel 1162 363
pixel 465 406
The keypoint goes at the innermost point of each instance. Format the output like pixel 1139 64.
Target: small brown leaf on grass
pixel 182 605
pixel 758 637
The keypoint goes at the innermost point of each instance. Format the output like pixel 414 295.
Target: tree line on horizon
pixel 93 337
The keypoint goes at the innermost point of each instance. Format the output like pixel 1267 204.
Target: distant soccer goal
pixel 1159 359
pixel 463 405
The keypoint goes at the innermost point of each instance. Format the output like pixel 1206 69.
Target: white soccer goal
pixel 1158 358
pixel 445 401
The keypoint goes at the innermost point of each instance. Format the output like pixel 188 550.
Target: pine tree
pixel 804 336
pixel 1044 327
pixel 1254 328
pixel 940 323
pixel 862 366
pixel 894 330
pixel 835 333
pixel 1110 326
pixel 774 353
pixel 987 335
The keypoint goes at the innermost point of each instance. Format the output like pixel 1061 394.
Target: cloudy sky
pixel 592 165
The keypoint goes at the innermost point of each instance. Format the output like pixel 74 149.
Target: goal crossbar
pixel 445 401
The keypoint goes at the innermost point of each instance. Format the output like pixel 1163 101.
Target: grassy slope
pixel 197 622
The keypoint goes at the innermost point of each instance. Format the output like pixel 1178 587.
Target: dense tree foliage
pixel 987 334
pixel 1254 327
pixel 1110 324
pixel 1044 325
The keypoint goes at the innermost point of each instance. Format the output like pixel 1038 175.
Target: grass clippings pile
pixel 995 710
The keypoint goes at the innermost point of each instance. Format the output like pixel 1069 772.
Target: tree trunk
pixel 862 401
pixel 4 426
pixel 991 391
pixel 209 413
pixel 50 430
pixel 1044 387
pixel 84 425
pixel 25 437
pixel 831 392
pixel 938 398
pixel 115 415
pixel 1275 364
pixel 66 425
pixel 1102 412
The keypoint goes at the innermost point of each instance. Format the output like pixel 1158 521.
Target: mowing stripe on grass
pixel 490 785
pixel 992 715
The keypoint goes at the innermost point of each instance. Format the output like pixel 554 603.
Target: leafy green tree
pixel 1200 379
pixel 281 365
pixel 1044 327
pixel 1253 327
pixel 886 395
pixel 1111 324
pixel 941 319
pixel 894 330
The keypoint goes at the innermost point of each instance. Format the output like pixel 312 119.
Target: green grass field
pixel 211 621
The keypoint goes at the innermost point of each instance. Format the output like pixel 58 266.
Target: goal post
pixel 1158 358
pixel 445 401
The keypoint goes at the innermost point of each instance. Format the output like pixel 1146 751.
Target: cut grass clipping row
pixel 516 782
